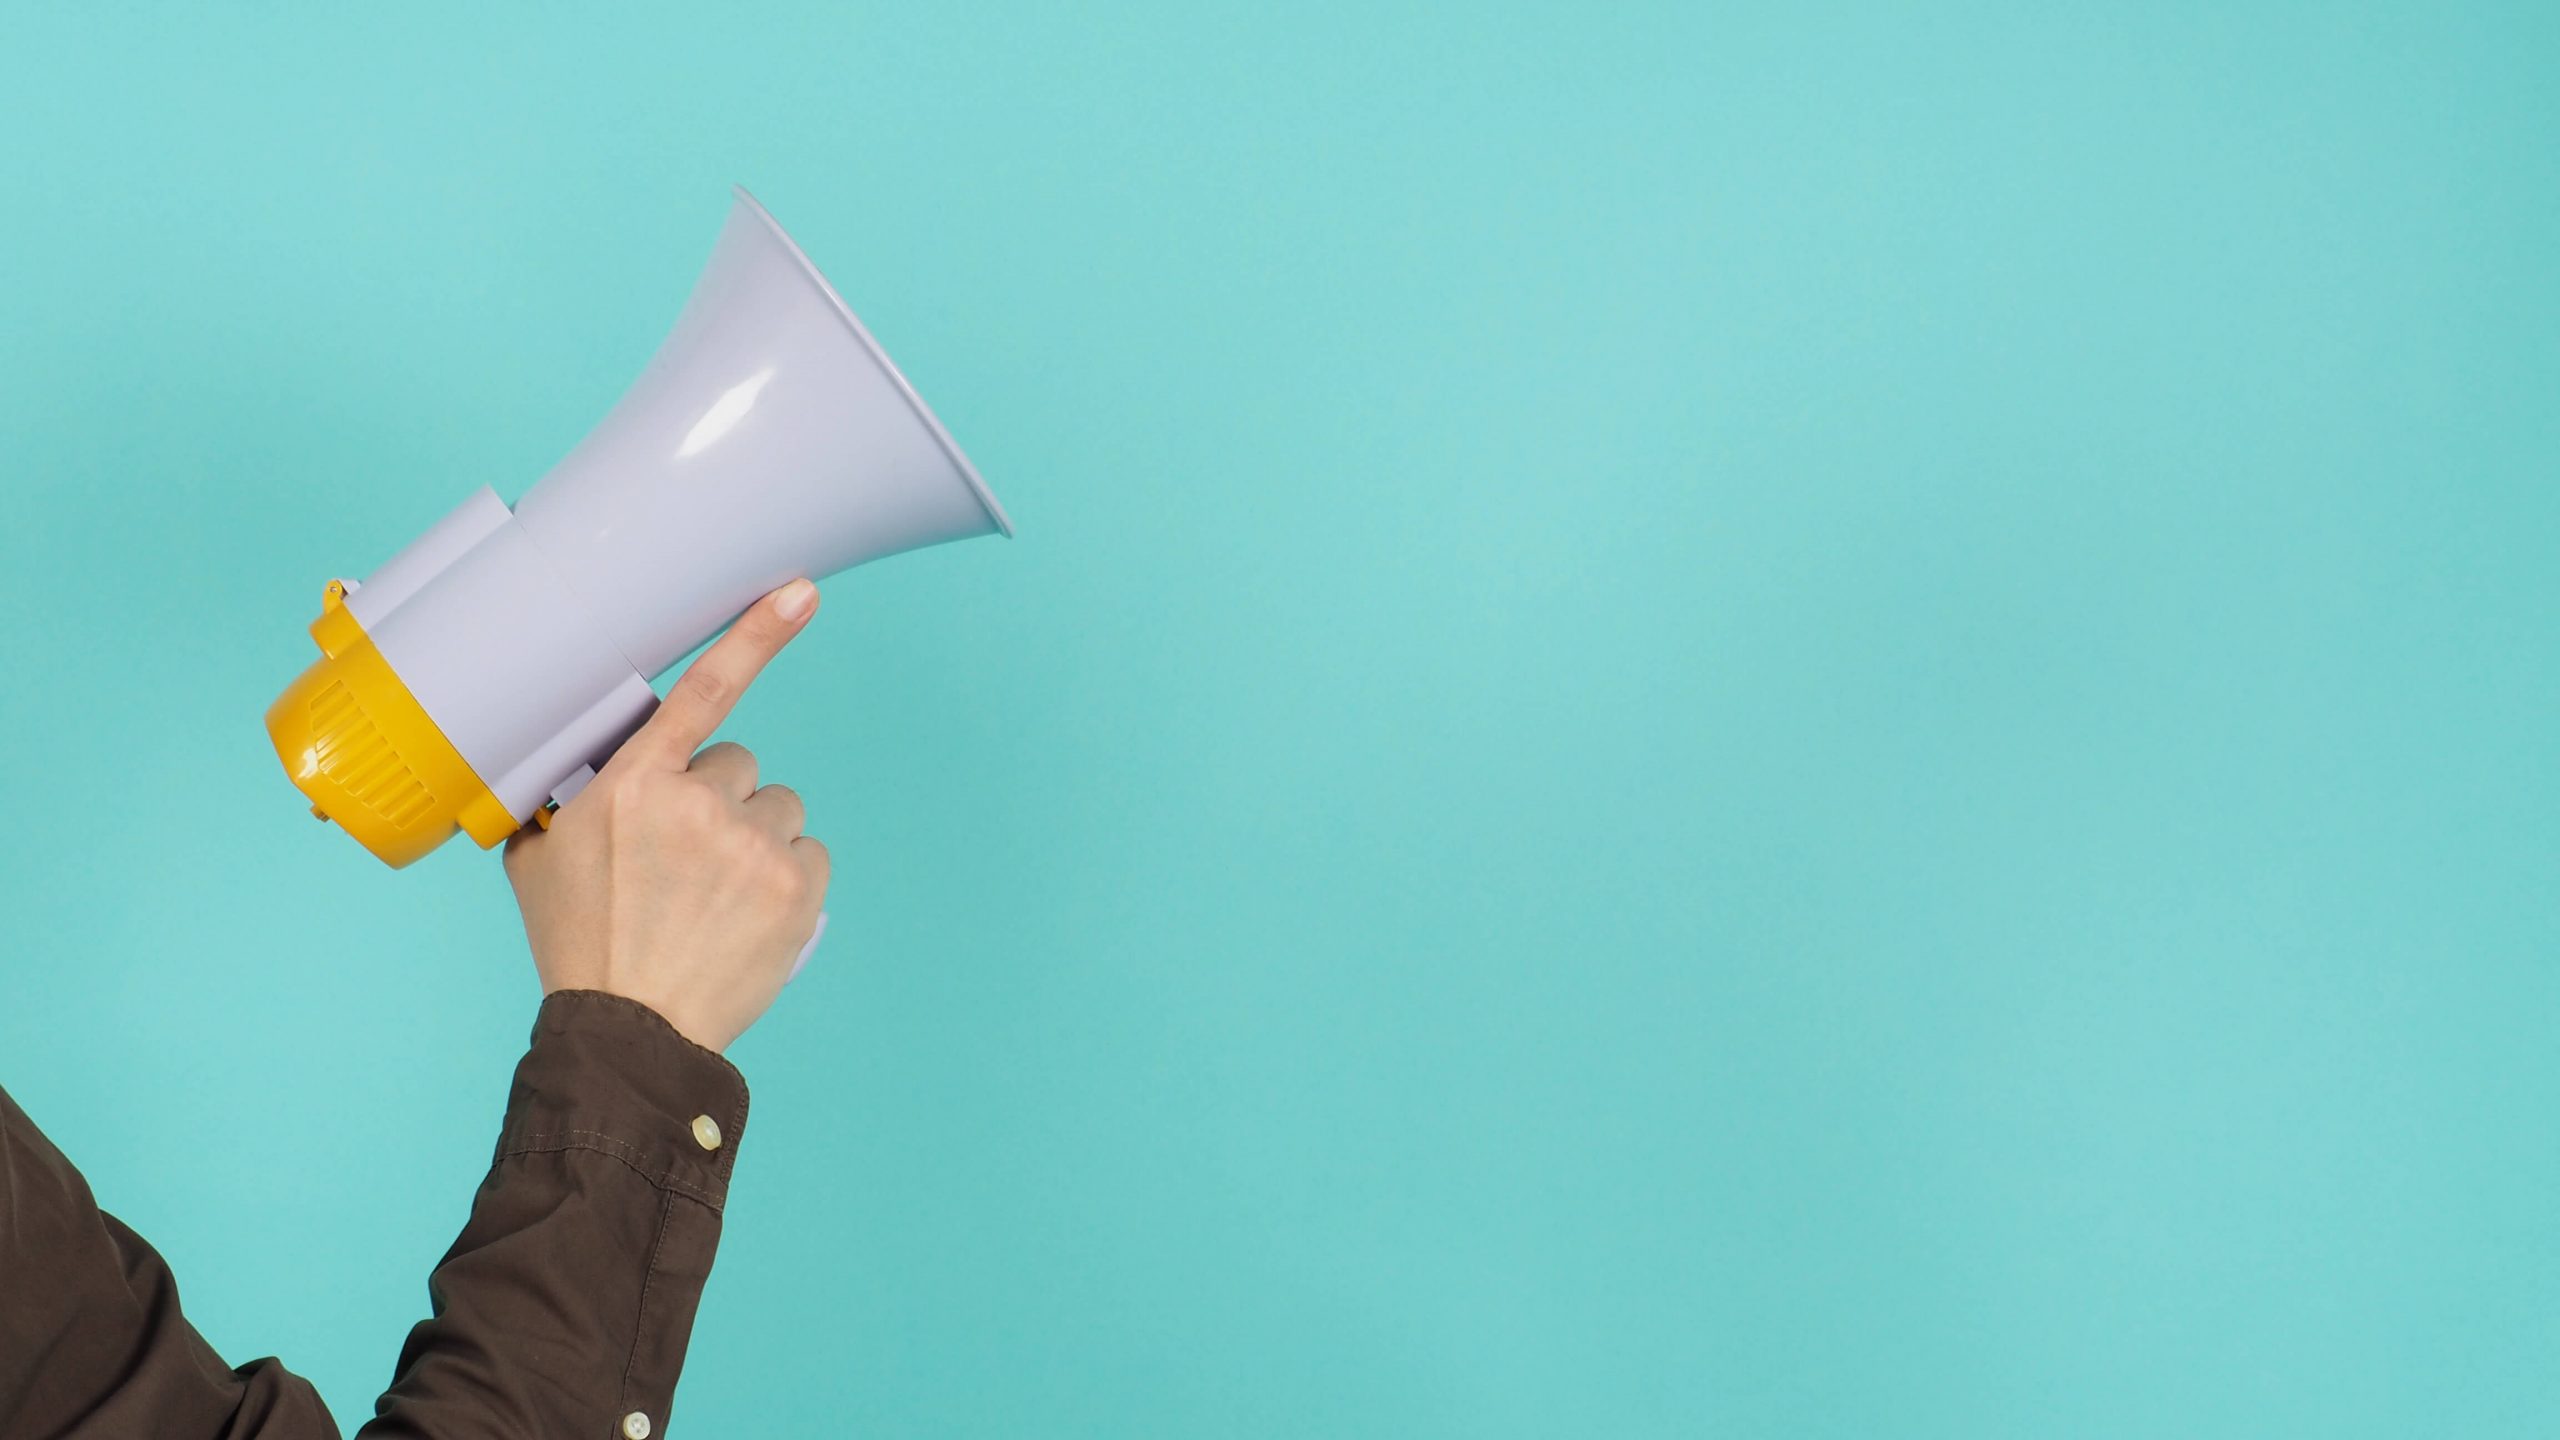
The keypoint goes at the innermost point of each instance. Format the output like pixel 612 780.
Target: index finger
pixel 711 685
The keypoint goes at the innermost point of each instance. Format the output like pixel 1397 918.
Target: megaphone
pixel 480 677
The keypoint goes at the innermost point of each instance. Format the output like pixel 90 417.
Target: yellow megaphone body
pixel 482 674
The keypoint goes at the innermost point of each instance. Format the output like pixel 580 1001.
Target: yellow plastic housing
pixel 367 755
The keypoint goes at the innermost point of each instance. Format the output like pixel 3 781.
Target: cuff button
pixel 706 1133
pixel 636 1426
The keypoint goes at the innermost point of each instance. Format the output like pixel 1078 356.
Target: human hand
pixel 672 879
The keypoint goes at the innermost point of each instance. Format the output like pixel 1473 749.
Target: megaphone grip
pixel 807 949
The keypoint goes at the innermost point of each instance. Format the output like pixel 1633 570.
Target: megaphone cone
pixel 483 671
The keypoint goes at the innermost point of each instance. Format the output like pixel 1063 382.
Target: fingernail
pixel 795 600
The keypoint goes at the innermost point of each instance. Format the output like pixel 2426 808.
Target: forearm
pixel 93 1344
pixel 563 1308
pixel 565 1305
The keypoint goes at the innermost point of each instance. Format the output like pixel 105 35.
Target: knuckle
pixel 668 803
pixel 740 844
pixel 775 881
pixel 790 882
pixel 728 756
pixel 705 686
pixel 814 859
pixel 703 806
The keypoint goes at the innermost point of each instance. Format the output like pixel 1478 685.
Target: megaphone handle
pixel 807 949
pixel 565 792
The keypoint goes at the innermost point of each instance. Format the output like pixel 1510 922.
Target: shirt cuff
pixel 611 1075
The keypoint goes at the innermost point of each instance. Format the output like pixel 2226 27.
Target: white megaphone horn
pixel 480 676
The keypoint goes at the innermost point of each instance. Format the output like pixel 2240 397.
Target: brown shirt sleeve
pixel 562 1310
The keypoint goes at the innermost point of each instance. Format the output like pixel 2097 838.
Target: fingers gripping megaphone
pixel 485 672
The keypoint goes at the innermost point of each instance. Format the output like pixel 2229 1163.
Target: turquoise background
pixel 1759 720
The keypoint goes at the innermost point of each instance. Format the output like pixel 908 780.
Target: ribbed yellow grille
pixel 355 757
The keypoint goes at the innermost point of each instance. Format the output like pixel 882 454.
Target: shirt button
pixel 636 1425
pixel 706 1133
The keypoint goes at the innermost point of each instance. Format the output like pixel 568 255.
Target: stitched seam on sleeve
pixel 648 1282
pixel 603 1144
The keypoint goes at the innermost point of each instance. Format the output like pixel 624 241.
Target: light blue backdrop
pixel 1775 720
